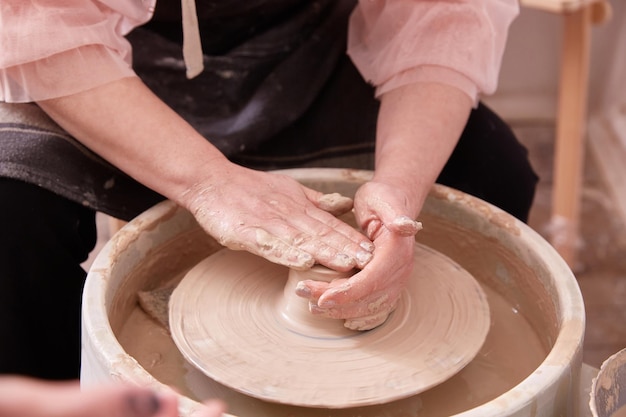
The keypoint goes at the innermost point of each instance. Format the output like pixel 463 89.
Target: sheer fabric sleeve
pixel 455 42
pixel 53 48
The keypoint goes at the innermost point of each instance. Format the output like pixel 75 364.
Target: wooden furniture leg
pixel 570 133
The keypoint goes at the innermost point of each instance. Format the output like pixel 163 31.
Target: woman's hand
pixel 379 204
pixel 26 397
pixel 267 214
pixel 366 299
pixel 274 216
pixel 418 127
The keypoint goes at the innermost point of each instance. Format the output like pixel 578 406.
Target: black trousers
pixel 45 237
pixel 489 163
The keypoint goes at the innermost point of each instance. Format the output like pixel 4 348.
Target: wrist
pixel 196 191
pixel 414 189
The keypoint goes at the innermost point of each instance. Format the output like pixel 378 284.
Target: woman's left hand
pixel 366 299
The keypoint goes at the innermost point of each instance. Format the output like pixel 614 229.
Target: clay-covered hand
pixel 22 396
pixel 274 216
pixel 366 299
pixel 378 204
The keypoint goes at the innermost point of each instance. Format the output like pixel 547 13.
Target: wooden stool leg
pixel 570 133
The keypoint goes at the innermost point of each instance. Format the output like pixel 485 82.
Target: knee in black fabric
pixel 490 163
pixel 43 241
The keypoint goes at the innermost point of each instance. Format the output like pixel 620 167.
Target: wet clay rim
pixel 235 316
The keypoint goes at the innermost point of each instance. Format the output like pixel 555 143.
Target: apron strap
pixel 192 47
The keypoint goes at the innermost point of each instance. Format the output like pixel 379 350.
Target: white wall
pixel 529 77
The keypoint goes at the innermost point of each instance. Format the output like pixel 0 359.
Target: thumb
pixel 380 213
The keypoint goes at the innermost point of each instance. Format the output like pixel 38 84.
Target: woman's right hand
pixel 266 214
pixel 274 216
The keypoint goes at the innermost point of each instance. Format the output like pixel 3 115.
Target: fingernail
pixel 363 258
pixel 326 304
pixel 302 290
pixel 305 260
pixel 368 246
pixel 315 309
pixel 143 404
pixel 344 260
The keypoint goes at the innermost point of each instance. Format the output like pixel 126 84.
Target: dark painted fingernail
pixel 143 404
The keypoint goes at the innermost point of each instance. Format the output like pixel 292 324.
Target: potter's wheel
pixel 235 318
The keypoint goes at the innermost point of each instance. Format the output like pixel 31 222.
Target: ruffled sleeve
pixel 53 48
pixel 455 42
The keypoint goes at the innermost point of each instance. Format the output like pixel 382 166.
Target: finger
pixel 328 238
pixel 24 396
pixel 368 323
pixel 320 240
pixel 388 210
pixel 384 301
pixel 390 268
pixel 378 208
pixel 295 235
pixel 401 225
pixel 335 233
pixel 301 252
pixel 373 228
pixel 312 289
pixel 335 204
pixel 125 401
pixel 267 245
pixel 357 288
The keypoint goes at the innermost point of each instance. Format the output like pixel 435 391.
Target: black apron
pixel 277 91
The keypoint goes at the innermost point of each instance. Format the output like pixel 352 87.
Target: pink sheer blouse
pixel 52 48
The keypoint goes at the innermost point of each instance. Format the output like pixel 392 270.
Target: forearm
pixel 126 124
pixel 267 214
pixel 418 128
